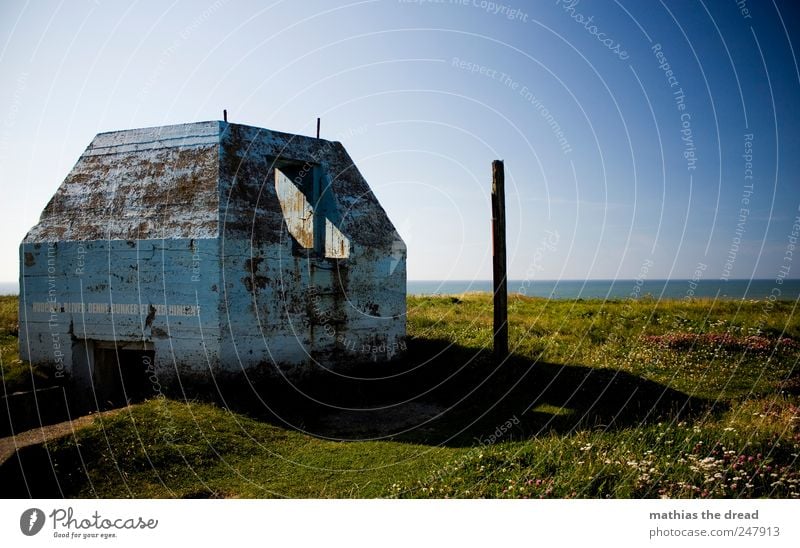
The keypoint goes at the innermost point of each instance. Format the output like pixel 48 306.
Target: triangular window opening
pixel 308 208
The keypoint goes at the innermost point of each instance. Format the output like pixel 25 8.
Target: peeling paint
pixel 198 242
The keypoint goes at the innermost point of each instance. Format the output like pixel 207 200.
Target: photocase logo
pixel 31 521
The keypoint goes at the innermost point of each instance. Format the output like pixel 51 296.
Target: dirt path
pixel 9 445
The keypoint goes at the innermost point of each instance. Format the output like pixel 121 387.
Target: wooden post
pixel 317 128
pixel 225 115
pixel 499 261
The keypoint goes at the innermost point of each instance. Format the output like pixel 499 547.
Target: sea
pixel 620 289
pixel 598 289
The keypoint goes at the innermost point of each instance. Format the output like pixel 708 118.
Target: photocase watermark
pixel 13 113
pixel 638 282
pixel 149 367
pixel 522 91
pixel 679 96
pixel 743 9
pixel 548 244
pixel 383 348
pixel 495 8
pixel 500 431
pixel 326 321
pixel 783 271
pixel 31 521
pixel 492 8
pixel 744 209
pixel 350 132
pixel 544 112
pixel 697 275
pixel 788 254
pixel 66 524
pixel 80 259
pixel 587 23
pixel 53 309
pixel 633 296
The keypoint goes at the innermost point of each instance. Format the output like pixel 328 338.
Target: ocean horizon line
pixel 661 288
pixel 604 280
pixel 673 288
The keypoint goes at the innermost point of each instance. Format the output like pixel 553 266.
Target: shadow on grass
pixel 444 394
pixel 439 394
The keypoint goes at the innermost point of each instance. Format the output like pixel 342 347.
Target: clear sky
pixel 636 134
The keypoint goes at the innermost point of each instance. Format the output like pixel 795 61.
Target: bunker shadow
pixel 445 394
pixel 439 395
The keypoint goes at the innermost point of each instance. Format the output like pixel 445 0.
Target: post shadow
pixel 446 394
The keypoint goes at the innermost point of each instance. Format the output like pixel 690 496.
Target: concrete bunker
pixel 202 252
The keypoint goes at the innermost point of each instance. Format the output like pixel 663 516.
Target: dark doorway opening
pixel 122 375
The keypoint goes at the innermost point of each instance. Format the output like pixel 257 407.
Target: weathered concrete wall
pixel 175 241
pixel 298 310
pixel 126 252
pixel 340 303
pixel 160 292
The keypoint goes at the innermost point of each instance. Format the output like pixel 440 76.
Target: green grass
pixel 601 399
pixel 163 448
pixel 751 452
pixel 610 335
pixel 16 375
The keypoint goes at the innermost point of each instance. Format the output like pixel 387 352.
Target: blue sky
pixel 425 95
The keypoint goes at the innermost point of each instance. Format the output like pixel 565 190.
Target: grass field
pixel 15 374
pixel 599 399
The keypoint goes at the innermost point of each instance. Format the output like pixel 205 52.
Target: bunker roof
pixel 197 180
